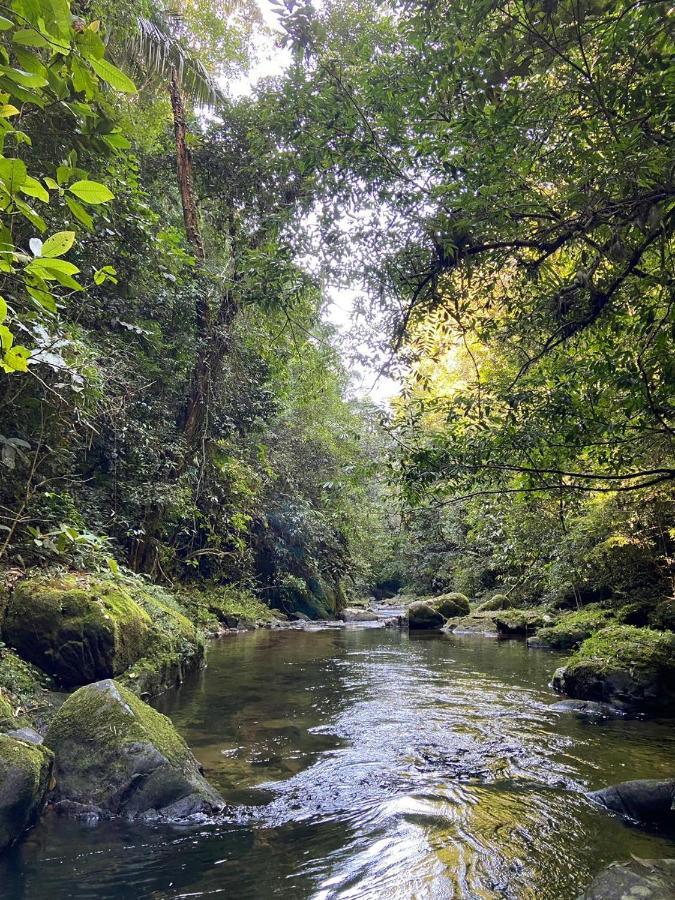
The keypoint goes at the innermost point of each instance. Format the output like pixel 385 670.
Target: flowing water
pixel 369 764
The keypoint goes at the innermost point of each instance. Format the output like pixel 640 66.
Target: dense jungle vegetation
pixel 494 178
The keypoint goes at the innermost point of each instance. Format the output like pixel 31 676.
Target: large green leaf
pixel 91 192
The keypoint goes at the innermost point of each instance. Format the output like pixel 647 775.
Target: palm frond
pixel 156 51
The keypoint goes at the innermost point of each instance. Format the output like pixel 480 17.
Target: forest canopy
pixel 494 179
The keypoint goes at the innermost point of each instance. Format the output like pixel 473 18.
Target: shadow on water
pixel 370 764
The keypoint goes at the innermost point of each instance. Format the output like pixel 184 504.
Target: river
pixel 369 764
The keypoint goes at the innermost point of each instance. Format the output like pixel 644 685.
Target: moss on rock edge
pixel 24 779
pixel 75 627
pixel 624 665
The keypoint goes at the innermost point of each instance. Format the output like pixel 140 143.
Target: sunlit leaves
pixel 91 192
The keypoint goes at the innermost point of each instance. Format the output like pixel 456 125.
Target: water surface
pixel 374 765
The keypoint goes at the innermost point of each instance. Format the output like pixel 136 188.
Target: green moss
pixel 228 605
pixel 175 647
pixel 75 627
pixel 24 779
pixel 574 628
pixel 109 724
pixel 6 711
pixel 451 605
pixel 498 602
pixel 663 616
pixel 627 647
pixel 622 664
pixel 519 622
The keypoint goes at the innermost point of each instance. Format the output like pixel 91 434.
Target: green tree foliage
pixel 509 165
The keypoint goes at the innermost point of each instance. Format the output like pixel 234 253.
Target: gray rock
pixel 639 879
pixel 646 800
pixel 478 623
pixel 30 735
pixel 422 615
pixel 590 708
pixel 353 614
pixel 24 781
pixel 116 756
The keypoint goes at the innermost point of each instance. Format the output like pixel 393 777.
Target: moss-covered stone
pixel 176 646
pixel 498 602
pixel 519 622
pixel 115 755
pixel 423 616
pixel 226 606
pixel 75 627
pixel 572 629
pixel 24 780
pixel 627 666
pixel 450 605
pixel 476 623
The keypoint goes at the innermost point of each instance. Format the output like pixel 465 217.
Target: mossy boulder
pixel 572 629
pixel 482 623
pixel 423 616
pixel 633 668
pixel 498 602
pixel 450 605
pixel 116 756
pixel 519 622
pixel 175 649
pixel 76 628
pixel 24 781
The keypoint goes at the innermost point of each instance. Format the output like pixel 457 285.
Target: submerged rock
pixel 646 879
pixel 75 628
pixel 450 605
pixel 422 615
pixel 24 781
pixel 646 800
pixel 354 614
pixel 624 666
pixel 116 756
pixel 590 708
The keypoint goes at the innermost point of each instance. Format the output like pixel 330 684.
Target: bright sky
pixel 366 379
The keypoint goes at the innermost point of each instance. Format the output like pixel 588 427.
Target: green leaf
pixel 91 192
pixel 113 76
pixel 3 310
pixel 26 79
pixel 16 359
pixel 28 37
pixel 32 188
pixel 80 213
pixel 58 244
pixel 31 215
pixel 6 24
pixel 13 172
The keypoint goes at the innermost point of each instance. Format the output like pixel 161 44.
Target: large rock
pixel 450 605
pixel 116 756
pixel 24 780
pixel 639 879
pixel 76 628
pixel 422 615
pixel 353 614
pixel 477 623
pixel 646 800
pixel 519 622
pixel 633 668
pixel 498 602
